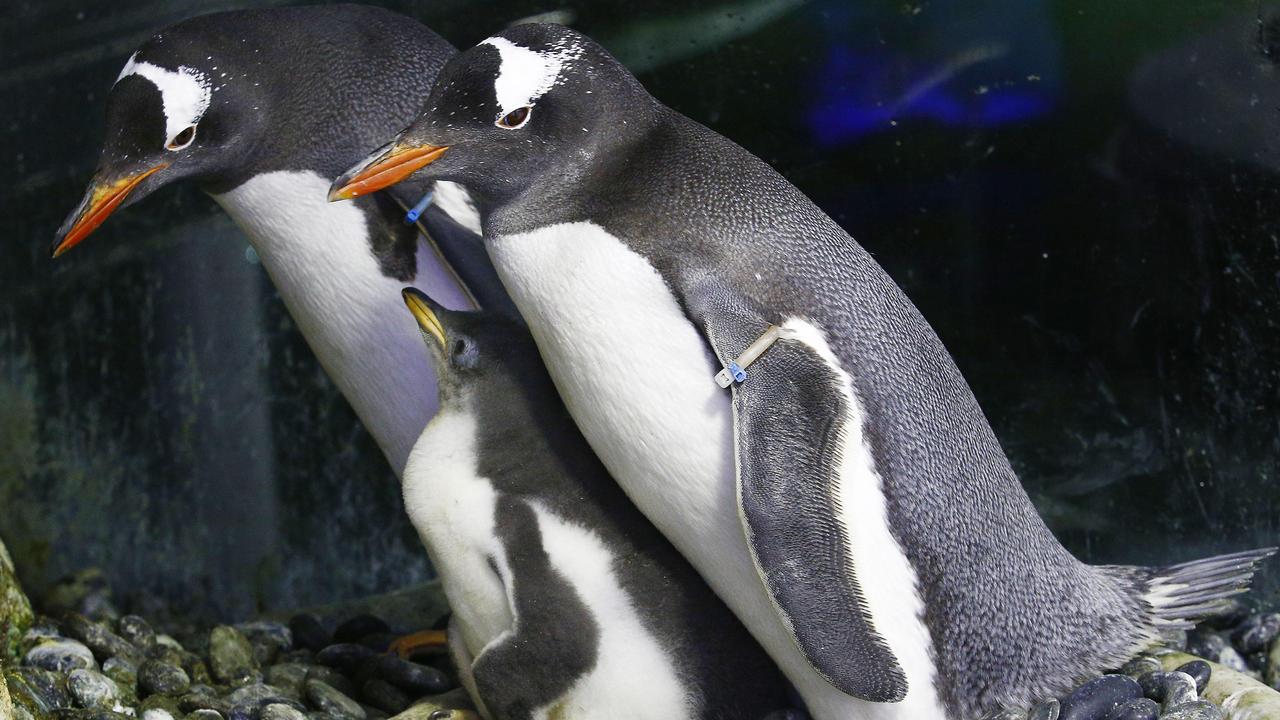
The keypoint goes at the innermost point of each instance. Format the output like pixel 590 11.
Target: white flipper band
pixel 736 372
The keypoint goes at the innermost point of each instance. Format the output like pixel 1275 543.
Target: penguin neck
pixel 320 257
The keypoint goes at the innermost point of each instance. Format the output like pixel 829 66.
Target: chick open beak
pixel 101 200
pixel 384 168
pixel 423 311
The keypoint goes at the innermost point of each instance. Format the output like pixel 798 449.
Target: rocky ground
pixel 84 661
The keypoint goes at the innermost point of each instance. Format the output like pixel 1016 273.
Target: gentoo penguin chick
pixel 770 398
pixel 261 108
pixel 566 602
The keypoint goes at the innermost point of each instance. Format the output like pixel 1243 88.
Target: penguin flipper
pixel 789 427
pixel 465 253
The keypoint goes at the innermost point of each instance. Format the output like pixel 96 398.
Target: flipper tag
pixel 737 370
pixel 416 211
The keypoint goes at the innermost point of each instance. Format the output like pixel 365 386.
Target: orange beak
pixel 383 170
pixel 98 206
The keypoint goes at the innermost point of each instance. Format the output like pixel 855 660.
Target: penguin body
pixel 567 602
pixel 261 108
pixel 846 497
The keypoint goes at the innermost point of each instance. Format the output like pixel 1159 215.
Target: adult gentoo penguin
pixel 262 108
pixel 566 602
pixel 846 497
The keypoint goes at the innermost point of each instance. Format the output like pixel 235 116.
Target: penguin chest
pixel 453 507
pixel 320 257
pixel 634 373
pixel 536 598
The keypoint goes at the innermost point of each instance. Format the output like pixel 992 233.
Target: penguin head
pixel 471 349
pixel 532 102
pixel 180 108
pixel 219 98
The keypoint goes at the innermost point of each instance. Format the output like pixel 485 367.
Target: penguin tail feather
pixel 1182 595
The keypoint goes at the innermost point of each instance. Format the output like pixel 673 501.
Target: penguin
pixel 261 108
pixel 771 400
pixel 567 603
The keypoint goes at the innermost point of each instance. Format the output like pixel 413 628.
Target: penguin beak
pixel 387 166
pixel 423 311
pixel 102 199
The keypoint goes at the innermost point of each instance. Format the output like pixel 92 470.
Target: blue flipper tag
pixel 736 371
pixel 416 211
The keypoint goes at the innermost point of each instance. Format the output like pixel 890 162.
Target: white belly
pixel 452 507
pixel 318 255
pixel 638 380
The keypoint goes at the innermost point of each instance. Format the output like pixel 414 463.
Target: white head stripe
pixel 525 75
pixel 185 92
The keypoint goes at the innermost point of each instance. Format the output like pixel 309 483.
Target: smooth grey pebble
pixel 91 689
pixel 60 656
pixel 1094 699
pixel 1140 709
pixel 1179 688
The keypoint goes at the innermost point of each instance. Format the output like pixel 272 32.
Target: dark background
pixel 1080 196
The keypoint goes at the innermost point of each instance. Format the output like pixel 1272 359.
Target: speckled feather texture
pixel 1009 614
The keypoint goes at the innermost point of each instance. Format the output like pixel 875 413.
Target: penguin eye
pixel 463 353
pixel 515 119
pixel 183 138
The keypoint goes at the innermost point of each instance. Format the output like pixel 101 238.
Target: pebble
pixel 42 630
pixel 278 711
pixel 259 695
pixel 1199 670
pixel 1179 689
pixel 60 656
pixel 1199 710
pixel 269 640
pixel 385 696
pixel 1047 710
pixel 121 670
pixel 98 638
pixel 309 633
pixel 162 702
pixel 329 700
pixel 1139 709
pixel 346 657
pixel 157 714
pixel 136 631
pixel 415 679
pixel 39 691
pixel 1256 632
pixel 1207 644
pixel 156 677
pixel 1140 666
pixel 330 677
pixel 287 676
pixel 91 689
pixel 359 627
pixel 1152 685
pixel 379 642
pixel 1232 659
pixel 1099 696
pixel 230 655
pixel 169 642
pixel 204 714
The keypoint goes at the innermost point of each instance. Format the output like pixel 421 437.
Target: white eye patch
pixel 525 75
pixel 185 93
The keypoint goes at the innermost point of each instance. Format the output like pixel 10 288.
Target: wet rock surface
pixel 15 609
pixel 76 667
